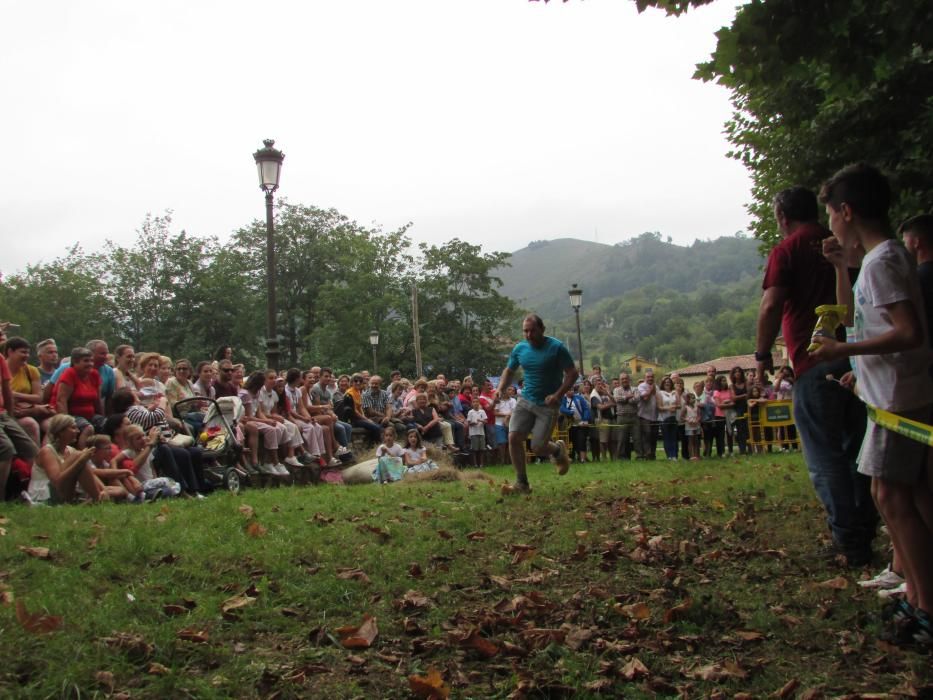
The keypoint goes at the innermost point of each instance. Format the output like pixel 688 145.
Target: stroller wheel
pixel 232 481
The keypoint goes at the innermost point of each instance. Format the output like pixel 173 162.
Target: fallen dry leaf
pixel 247 511
pixel 838 583
pixel 378 531
pixel 352 574
pixel 473 640
pixel 430 687
pixel 237 602
pixel 37 552
pixel 172 609
pixel 254 529
pixel 749 635
pixel 634 669
pixel 444 535
pixel 678 611
pixel 361 636
pixel 157 669
pixel 414 570
pixel 190 634
pixel 133 644
pixel 319 519
pixel 636 611
pixel 105 680
pixel 788 689
pixel 476 536
pixel 37 623
pixel 412 600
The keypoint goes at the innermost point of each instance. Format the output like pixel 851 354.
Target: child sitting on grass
pixel 120 483
pixel 416 455
pixel 891 366
pixel 389 458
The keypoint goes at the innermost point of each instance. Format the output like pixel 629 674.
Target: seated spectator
pixel 124 358
pixel 226 382
pixel 150 383
pixel 47 352
pixel 426 419
pixel 204 385
pixel 61 473
pixel 77 393
pixel 358 418
pixel 261 425
pixel 183 464
pixel 318 399
pixel 180 387
pixel 120 484
pixel 28 408
pixel 14 441
pixel 99 356
pixel 298 413
pixel 306 447
pixel 166 369
pixel 378 406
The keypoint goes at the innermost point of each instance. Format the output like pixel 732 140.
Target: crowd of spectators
pixel 618 419
pixel 296 423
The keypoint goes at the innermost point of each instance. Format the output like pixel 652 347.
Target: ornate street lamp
pixel 374 341
pixel 269 164
pixel 576 301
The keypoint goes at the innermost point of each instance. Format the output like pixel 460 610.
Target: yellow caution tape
pixel 912 429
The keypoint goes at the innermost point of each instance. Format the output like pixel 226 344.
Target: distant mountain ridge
pixel 542 272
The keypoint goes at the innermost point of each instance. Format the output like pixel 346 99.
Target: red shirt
pixel 487 401
pixel 84 392
pixel 797 264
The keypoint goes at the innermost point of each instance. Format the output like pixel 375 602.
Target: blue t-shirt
pixel 544 367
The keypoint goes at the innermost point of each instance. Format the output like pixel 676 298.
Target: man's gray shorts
pixel 534 420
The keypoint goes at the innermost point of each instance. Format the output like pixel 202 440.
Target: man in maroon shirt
pixel 830 419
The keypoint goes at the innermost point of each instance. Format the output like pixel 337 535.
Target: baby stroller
pixel 222 450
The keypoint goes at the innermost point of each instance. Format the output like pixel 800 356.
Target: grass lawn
pixel 640 579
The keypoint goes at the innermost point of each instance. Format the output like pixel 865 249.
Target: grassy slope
pixel 734 541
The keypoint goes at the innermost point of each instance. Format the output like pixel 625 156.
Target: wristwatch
pixel 762 356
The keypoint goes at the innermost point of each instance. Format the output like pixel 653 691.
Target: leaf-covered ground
pixel 657 579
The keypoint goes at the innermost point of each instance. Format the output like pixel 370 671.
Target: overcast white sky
pixel 496 121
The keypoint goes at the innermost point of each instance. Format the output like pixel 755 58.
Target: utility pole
pixel 416 330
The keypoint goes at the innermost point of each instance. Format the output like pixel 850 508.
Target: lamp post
pixel 374 341
pixel 576 300
pixel 269 164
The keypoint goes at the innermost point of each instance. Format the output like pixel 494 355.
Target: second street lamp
pixel 576 301
pixel 269 164
pixel 374 341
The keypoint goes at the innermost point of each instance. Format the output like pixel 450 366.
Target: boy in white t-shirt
pixel 503 409
pixel 476 420
pixel 892 362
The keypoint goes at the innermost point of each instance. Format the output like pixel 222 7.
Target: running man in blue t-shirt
pixel 549 372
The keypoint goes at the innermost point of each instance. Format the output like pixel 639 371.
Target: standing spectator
pixel 604 410
pixel 648 416
pixel 668 406
pixel 576 406
pixel 831 422
pixel 690 417
pixel 626 399
pixel 892 359
pixel 476 419
pixel 917 232
pixel 710 424
pixel 722 397
pixel 740 406
pixel 504 409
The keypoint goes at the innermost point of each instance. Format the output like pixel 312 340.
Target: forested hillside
pixel 679 304
pixel 541 274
